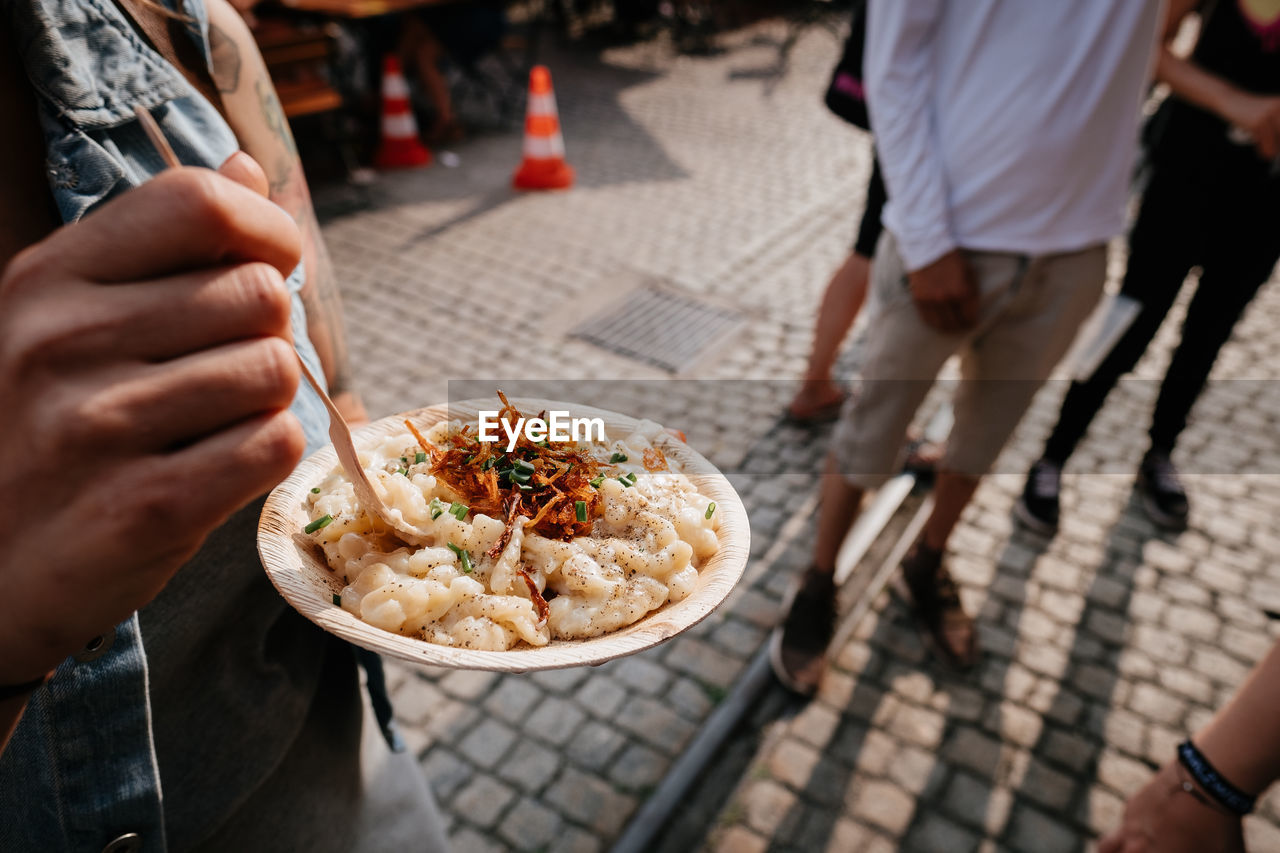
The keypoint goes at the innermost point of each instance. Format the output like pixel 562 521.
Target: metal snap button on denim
pixel 96 648
pixel 130 842
pixel 63 175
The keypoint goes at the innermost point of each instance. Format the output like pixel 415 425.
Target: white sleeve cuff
pixel 920 250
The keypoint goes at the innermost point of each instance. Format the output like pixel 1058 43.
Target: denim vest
pixel 81 772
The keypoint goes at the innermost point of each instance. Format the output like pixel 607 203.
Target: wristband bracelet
pixel 1227 795
pixel 13 691
pixel 1186 786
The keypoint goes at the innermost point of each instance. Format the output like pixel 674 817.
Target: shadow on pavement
pixel 1074 732
pixel 484 204
pixel 1015 742
pixel 604 143
pixel 772 73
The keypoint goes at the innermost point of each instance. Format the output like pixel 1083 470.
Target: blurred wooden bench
pixel 298 59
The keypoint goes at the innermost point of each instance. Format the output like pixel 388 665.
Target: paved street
pixel 718 181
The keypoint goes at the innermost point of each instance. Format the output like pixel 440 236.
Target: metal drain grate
pixel 658 327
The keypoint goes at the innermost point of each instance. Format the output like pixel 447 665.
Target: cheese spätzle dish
pixel 550 541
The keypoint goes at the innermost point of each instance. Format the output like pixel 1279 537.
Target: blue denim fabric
pixel 81 768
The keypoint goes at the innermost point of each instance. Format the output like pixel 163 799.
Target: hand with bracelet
pixel 1171 814
pixel 1197 801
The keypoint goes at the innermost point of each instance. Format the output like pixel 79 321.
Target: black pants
pixel 1231 230
pixel 870 227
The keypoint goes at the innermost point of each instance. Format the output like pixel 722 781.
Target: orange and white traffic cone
pixel 543 167
pixel 400 147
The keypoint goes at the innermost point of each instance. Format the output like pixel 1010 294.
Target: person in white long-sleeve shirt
pixel 1006 126
pixel 1007 131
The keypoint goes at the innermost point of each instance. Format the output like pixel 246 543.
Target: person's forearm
pixel 1195 85
pixel 1242 741
pixel 255 114
pixel 323 302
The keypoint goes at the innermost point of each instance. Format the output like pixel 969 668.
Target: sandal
pixel 928 589
pixel 813 415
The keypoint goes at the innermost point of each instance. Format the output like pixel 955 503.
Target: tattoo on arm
pixel 274 113
pixel 320 294
pixel 285 188
pixel 323 302
pixel 225 58
pixel 262 129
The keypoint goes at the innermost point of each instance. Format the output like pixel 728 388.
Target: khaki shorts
pixel 1030 310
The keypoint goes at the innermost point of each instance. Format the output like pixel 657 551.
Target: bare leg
pixel 951 496
pixel 934 596
pixel 839 508
pixel 798 649
pixel 841 302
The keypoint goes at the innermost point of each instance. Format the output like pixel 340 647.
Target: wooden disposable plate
pixel 296 565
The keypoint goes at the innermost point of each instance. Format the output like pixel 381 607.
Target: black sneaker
pixel 1038 507
pixel 1163 496
pixel 934 599
pixel 798 647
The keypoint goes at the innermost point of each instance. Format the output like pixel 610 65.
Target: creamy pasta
pixel 484 582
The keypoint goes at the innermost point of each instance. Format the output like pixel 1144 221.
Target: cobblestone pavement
pixel 719 180
pixel 1104 647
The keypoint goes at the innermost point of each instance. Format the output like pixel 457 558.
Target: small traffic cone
pixel 400 147
pixel 543 167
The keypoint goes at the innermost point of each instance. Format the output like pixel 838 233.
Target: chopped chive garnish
pixel 322 521
pixel 337 600
pixel 524 487
pixel 625 482
pixel 402 471
pixel 596 481
pixel 404 460
pixel 419 457
pixel 617 457
pixel 542 443
pixel 630 476
pixel 463 557
pixel 316 490
pixel 488 463
pixel 437 508
pixel 458 511
pixel 711 509
pixel 524 465
pixel 580 507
